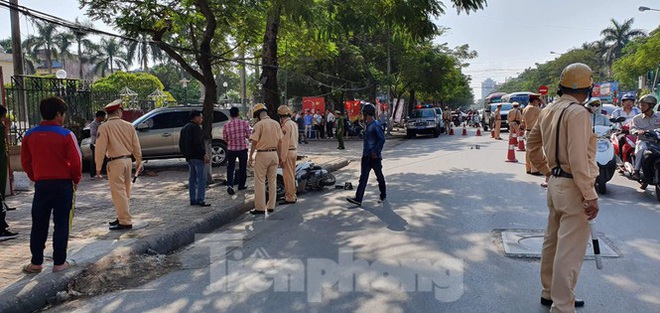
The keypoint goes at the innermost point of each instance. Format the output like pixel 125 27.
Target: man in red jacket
pixel 51 158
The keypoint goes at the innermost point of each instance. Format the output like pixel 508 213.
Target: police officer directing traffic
pixel 265 140
pixel 288 153
pixel 564 132
pixel 118 141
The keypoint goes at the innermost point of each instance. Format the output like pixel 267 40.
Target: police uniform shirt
pixel 267 134
pixel 530 116
pixel 290 138
pixel 116 138
pixel 575 132
pixel 514 116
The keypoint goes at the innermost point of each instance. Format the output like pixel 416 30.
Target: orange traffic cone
pixel 464 131
pixel 521 142
pixel 511 155
pixel 451 131
pixel 478 131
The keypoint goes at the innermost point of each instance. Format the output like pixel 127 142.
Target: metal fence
pixel 24 94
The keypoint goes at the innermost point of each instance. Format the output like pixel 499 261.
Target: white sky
pixel 509 35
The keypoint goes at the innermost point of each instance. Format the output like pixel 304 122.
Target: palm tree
pixel 5 45
pixel 143 51
pixel 616 37
pixel 44 40
pixel 110 57
pixel 83 42
pixel 63 42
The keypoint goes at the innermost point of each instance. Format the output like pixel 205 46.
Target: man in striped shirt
pixel 236 133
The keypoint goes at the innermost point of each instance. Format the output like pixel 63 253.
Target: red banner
pixel 352 108
pixel 314 105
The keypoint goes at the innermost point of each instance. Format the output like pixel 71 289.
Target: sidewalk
pixel 160 200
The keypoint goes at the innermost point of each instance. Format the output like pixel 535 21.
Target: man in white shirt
pixel 645 121
pixel 628 110
pixel 329 122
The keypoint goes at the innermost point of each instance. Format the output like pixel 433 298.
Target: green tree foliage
pixel 43 40
pixel 640 57
pixel 617 36
pixel 109 57
pixel 142 83
pixel 171 75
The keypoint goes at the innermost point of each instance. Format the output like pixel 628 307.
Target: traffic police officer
pixel 118 141
pixel 498 122
pixel 446 118
pixel 530 115
pixel 288 153
pixel 265 140
pixel 514 117
pixel 564 132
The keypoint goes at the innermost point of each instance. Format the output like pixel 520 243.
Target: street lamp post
pixel 224 84
pixel 184 82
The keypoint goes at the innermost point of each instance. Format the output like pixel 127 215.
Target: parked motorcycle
pixel 309 177
pixel 625 154
pixel 354 129
pixel 650 171
pixel 605 157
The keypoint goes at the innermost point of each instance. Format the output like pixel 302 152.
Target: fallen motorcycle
pixel 309 177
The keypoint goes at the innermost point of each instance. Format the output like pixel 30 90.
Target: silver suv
pixel 159 132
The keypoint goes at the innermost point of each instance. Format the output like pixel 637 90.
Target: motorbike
pixel 354 129
pixel 605 157
pixel 309 177
pixel 625 153
pixel 650 171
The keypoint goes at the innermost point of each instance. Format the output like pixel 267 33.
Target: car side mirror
pixel 143 126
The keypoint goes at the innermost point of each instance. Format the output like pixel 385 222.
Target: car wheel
pixel 657 192
pixel 410 135
pixel 436 133
pixel 218 153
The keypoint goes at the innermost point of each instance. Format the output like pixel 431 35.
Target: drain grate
pixel 528 244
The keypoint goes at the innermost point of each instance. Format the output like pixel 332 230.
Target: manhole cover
pixel 528 243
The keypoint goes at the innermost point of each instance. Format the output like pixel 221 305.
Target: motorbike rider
pixel 628 109
pixel 646 121
pixel 597 117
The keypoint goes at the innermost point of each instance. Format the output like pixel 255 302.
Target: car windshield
pixel 422 113
pixel 505 107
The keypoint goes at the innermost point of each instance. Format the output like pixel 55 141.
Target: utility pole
pixel 17 58
pixel 387 99
pixel 241 55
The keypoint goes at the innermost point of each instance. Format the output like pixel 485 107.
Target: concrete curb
pixel 32 295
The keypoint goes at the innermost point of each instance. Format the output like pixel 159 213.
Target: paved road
pixel 445 199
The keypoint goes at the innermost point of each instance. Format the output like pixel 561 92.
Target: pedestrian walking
pixel 288 151
pixel 329 123
pixel 93 133
pixel 498 121
pixel 374 139
pixel 191 144
pixel 5 233
pixel 265 140
pixel 341 129
pixel 50 156
pixel 529 117
pixel 564 133
pixel 236 134
pixel 514 117
pixel 118 141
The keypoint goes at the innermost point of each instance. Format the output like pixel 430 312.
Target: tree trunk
pixel 49 59
pixel 111 65
pixel 80 62
pixel 411 103
pixel 269 61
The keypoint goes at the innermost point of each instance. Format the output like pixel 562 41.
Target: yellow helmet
pixel 576 76
pixel 257 108
pixel 283 110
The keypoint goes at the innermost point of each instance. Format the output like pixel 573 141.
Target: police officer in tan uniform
pixel 498 122
pixel 564 132
pixel 529 116
pixel 514 117
pixel 118 141
pixel 446 118
pixel 288 153
pixel 265 140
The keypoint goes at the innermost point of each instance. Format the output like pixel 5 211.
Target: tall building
pixel 487 86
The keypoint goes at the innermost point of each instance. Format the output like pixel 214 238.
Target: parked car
pixel 423 120
pixel 504 113
pixel 159 131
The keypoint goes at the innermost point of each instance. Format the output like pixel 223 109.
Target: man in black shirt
pixel 191 143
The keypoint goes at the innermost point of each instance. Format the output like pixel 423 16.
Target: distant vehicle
pixel 423 120
pixel 520 97
pixel 504 113
pixel 495 97
pixel 159 131
pixel 438 112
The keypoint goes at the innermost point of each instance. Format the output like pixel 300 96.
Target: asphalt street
pixel 447 200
